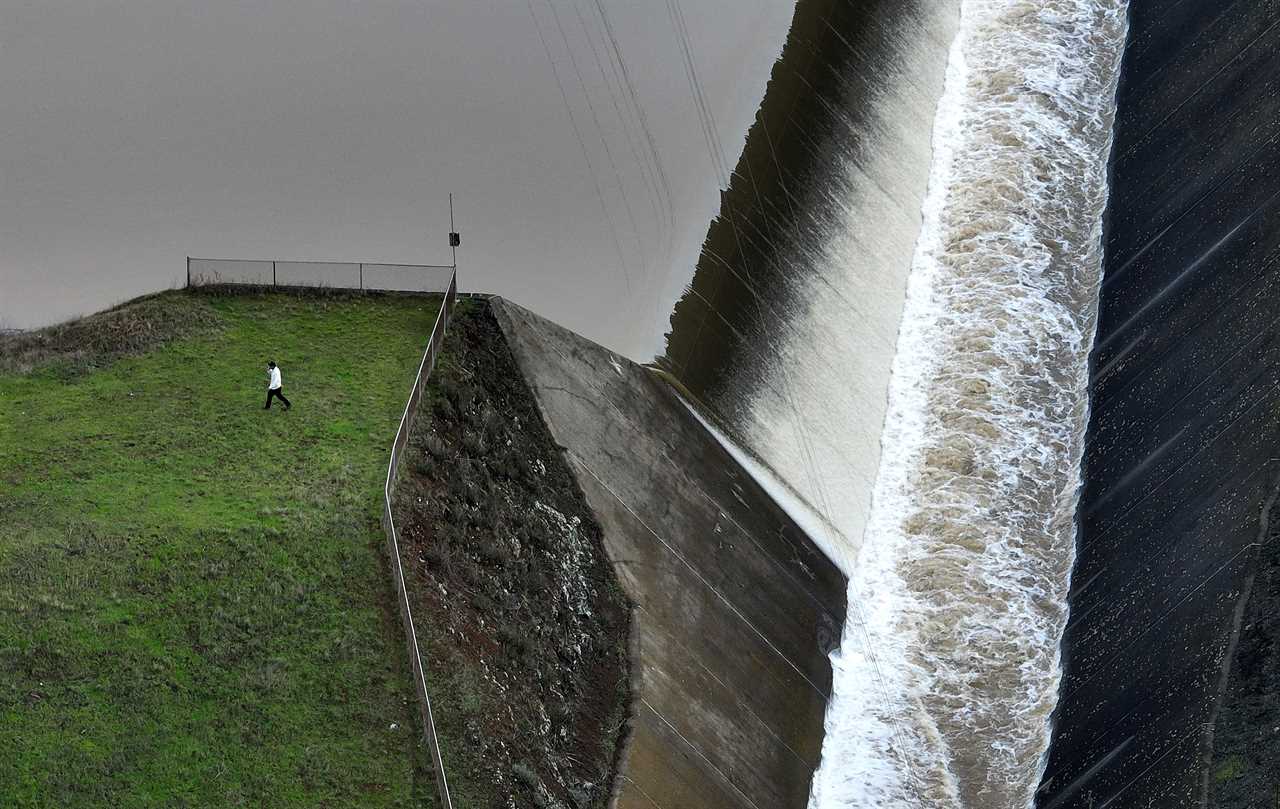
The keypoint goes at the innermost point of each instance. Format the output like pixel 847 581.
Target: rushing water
pixel 949 668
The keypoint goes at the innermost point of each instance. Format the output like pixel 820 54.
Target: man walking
pixel 273 387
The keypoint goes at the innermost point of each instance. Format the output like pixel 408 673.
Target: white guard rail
pixel 393 544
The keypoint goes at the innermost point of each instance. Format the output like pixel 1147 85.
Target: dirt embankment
pixel 142 324
pixel 125 330
pixel 523 624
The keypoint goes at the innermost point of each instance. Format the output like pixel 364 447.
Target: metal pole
pixel 273 273
pixel 188 272
pixel 362 276
pixel 452 229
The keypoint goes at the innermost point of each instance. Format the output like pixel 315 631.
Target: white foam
pixel 949 666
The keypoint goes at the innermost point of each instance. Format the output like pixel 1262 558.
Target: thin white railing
pixel 393 544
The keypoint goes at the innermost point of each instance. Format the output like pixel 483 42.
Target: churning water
pixel 949 667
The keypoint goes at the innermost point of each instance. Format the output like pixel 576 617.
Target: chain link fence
pixel 436 278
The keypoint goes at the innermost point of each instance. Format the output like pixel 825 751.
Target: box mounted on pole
pixel 454 239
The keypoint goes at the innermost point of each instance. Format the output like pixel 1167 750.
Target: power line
pixel 646 172
pixel 643 118
pixel 713 129
pixel 699 100
pixel 582 144
pixel 604 141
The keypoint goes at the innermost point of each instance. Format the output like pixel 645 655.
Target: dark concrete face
pixel 830 113
pixel 1185 388
pixel 734 605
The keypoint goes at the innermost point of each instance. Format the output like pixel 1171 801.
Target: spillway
pixel 949 670
pixel 902 331
pixel 787 331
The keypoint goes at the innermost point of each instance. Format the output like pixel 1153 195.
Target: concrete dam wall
pixel 735 608
pixel 1171 669
pixel 895 312
pixel 794 308
pixel 958 596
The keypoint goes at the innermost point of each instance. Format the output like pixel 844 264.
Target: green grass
pixel 193 604
pixel 1230 769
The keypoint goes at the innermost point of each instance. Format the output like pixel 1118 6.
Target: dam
pixel 734 608
pixel 983 337
pixel 1087 452
pixel 803 274
pixel 896 318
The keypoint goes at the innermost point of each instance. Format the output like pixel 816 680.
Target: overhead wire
pixel 705 123
pixel 604 141
pixel 583 145
pixel 713 129
pixel 641 116
pixel 646 172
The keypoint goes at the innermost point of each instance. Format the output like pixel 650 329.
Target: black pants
pixel 277 393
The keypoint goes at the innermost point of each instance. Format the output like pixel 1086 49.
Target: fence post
pixel 273 273
pixel 188 272
pixel 362 276
pixel 453 236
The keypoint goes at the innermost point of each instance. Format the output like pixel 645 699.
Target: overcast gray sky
pixel 136 132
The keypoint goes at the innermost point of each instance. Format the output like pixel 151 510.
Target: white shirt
pixel 274 374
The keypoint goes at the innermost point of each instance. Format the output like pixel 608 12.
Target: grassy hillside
pixel 193 608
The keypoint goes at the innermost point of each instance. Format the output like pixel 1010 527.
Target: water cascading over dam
pixel 802 276
pixel 896 317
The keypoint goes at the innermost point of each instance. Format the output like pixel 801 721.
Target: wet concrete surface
pixel 794 309
pixel 1181 457
pixel 735 608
